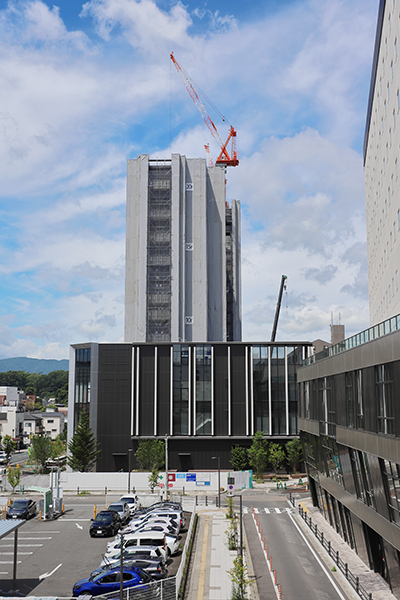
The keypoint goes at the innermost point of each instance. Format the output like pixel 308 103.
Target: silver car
pixel 122 509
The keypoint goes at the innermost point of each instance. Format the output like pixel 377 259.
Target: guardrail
pixel 334 554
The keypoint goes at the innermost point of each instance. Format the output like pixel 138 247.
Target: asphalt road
pixel 299 572
pixel 53 555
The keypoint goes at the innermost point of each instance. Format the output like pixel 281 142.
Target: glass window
pixel 181 390
pixel 384 382
pixel 278 391
pixel 203 390
pixel 261 388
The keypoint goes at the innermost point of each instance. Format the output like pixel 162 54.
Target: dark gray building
pixel 205 397
pixel 349 423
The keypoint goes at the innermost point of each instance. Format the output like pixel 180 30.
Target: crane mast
pixel 225 157
pixel 278 307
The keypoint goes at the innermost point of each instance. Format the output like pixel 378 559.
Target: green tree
pixel 239 459
pixel 258 454
pixel 153 479
pixel 41 451
pixel 14 476
pixel 150 454
pixel 276 456
pixel 8 446
pixel 84 447
pixel 294 451
pixel 240 579
pixel 58 447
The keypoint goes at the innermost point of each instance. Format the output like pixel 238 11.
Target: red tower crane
pixel 229 159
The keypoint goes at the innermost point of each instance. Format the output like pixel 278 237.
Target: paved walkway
pixel 208 576
pixel 211 559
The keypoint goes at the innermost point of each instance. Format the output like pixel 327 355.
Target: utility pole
pixel 166 467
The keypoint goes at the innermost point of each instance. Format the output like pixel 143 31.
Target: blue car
pixel 104 583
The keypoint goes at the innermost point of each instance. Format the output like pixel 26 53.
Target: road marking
pixel 304 507
pixel 11 553
pixel 256 511
pixel 278 512
pixel 36 538
pixel 21 546
pixel 9 562
pixel 63 519
pixel 78 526
pixel 200 589
pixel 49 574
pixel 317 559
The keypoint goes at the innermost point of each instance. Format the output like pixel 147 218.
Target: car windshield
pixel 103 518
pixel 119 507
pixel 128 500
pixel 20 504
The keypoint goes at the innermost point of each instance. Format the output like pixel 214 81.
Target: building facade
pixel 381 167
pixel 205 397
pixel 349 423
pixel 183 277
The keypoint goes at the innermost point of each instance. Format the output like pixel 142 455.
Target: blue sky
pixel 85 86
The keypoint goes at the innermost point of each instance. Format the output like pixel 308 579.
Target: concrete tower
pixel 182 253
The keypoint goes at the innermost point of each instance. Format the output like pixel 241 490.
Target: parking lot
pixel 53 555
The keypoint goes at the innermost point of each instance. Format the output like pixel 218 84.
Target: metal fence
pixel 334 554
pixel 164 589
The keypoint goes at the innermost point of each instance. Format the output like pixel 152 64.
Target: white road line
pixel 11 553
pixel 317 559
pixel 21 546
pixel 49 574
pixel 268 566
pixel 277 510
pixel 256 510
pixel 3 572
pixel 9 562
pixel 74 520
pixel 267 511
pixel 36 538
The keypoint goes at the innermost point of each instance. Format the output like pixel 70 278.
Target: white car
pixel 173 525
pixel 131 548
pixel 132 501
pixel 140 552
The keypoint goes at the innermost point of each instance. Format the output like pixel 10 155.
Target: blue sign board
pixel 180 475
pixel 190 476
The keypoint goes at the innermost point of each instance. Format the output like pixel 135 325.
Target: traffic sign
pixel 161 485
pixel 170 485
pixel 230 487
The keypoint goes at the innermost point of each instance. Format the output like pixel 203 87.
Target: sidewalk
pixel 208 577
pixel 371 582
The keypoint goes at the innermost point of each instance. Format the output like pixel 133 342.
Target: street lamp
pixel 129 469
pixel 166 467
pixel 218 458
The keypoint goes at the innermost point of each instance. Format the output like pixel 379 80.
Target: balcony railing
pixel 373 333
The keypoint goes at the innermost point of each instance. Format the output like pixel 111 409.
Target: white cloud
pixel 76 105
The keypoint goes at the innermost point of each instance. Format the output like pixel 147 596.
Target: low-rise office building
pixel 349 423
pixel 206 397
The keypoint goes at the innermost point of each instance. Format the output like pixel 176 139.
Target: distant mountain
pixel 33 365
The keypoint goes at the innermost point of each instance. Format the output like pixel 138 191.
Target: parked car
pixel 3 458
pixel 133 502
pixel 122 509
pixel 104 583
pixel 175 518
pixel 154 538
pixel 136 552
pixel 131 543
pixel 154 567
pixel 107 522
pixel 23 508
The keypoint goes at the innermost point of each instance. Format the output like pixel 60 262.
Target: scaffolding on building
pixel 158 309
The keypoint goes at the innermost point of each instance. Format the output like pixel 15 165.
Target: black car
pixel 23 508
pixel 106 523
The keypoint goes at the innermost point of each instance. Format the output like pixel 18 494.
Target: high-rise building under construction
pixel 183 274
